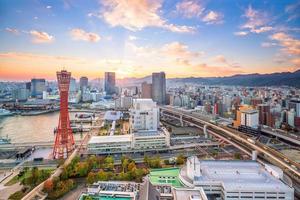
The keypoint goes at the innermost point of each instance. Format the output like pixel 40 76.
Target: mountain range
pixel 273 79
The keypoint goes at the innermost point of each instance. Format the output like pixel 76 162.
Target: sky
pixel 184 38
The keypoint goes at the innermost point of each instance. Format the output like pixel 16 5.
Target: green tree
pixel 237 156
pixel 125 164
pixel 81 169
pixel 102 176
pixel 109 162
pixel 180 159
pixel 131 166
pixel 91 178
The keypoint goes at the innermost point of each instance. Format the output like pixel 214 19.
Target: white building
pixel 109 144
pixel 291 117
pixel 232 180
pixel 144 115
pixel 249 118
pixel 144 126
pixel 123 102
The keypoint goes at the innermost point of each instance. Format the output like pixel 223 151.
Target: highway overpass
pixel 239 139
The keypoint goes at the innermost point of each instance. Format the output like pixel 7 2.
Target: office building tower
pixel 295 104
pixel 37 87
pixel 28 85
pixel 110 83
pixel 146 90
pixel 72 85
pixel 20 94
pixel 83 82
pixel 159 87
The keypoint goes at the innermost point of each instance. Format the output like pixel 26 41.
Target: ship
pixel 4 112
pixel 5 140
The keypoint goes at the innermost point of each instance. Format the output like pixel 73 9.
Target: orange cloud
pixel 41 37
pixel 213 17
pixel 138 14
pixel 290 45
pixel 79 34
pixel 189 8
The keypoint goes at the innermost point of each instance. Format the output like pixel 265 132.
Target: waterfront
pixel 37 128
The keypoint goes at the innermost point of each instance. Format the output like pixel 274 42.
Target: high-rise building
pixel 20 94
pixel 72 85
pixel 110 83
pixel 295 104
pixel 249 118
pixel 144 126
pixel 265 117
pixel 146 90
pixel 144 115
pixel 83 82
pixel 159 87
pixel 37 87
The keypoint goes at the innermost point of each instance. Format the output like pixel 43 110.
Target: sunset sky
pixel 137 37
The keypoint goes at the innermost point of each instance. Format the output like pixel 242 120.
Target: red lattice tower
pixel 64 141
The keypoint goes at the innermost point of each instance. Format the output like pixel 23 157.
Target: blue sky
pixel 136 37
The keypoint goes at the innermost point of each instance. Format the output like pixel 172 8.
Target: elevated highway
pixel 240 140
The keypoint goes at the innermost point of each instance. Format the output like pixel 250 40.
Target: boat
pixel 5 140
pixel 4 112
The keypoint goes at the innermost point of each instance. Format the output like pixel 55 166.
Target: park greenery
pixel 29 178
pixel 92 169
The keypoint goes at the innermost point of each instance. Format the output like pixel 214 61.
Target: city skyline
pixel 182 38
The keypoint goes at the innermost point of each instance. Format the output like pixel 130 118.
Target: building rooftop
pixel 112 115
pixel 165 176
pixel 239 175
pixel 189 194
pixel 110 139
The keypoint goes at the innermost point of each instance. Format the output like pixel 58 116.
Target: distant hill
pixel 273 79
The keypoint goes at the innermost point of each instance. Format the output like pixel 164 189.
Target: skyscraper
pixel 146 90
pixel 72 85
pixel 37 87
pixel 159 87
pixel 110 83
pixel 83 82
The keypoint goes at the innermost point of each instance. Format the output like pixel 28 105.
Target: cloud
pixel 241 33
pixel 41 37
pixel 30 56
pixel 12 30
pixel 213 17
pixel 48 7
pixel 268 44
pixel 293 10
pixel 179 50
pixel 289 44
pixel 132 37
pixel 256 21
pixel 262 29
pixel 80 34
pixel 220 59
pixel 138 14
pixel 210 70
pixel 189 8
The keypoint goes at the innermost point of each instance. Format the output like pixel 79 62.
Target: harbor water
pixel 38 128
